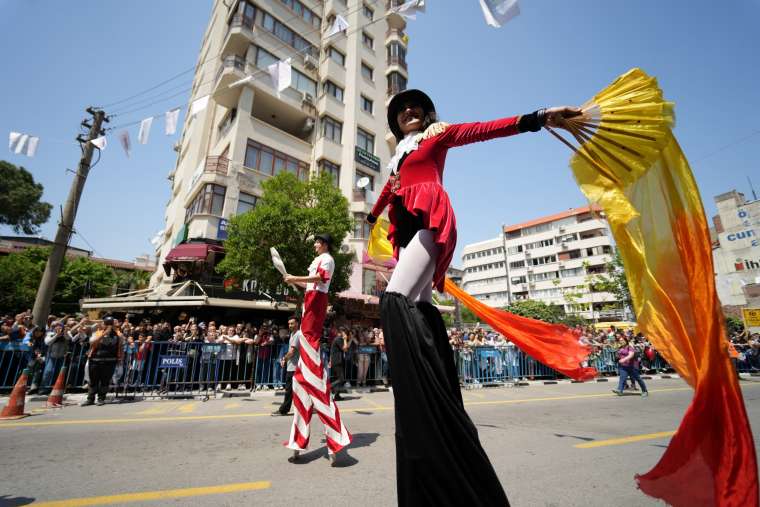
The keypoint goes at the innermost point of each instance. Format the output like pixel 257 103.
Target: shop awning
pixel 188 252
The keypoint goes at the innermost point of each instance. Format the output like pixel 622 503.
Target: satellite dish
pixel 362 182
pixel 344 248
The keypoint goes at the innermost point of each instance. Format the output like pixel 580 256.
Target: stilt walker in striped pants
pixel 311 384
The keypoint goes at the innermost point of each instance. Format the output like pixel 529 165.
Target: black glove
pixel 371 218
pixel 532 122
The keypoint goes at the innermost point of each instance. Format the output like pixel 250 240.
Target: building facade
pixel 550 259
pixel 331 118
pixel 736 249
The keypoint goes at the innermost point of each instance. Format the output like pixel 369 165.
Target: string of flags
pixel 496 13
pixel 23 144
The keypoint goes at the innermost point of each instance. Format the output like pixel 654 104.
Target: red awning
pixel 189 252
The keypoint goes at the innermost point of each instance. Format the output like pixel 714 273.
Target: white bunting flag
pixel 13 140
pixel 156 239
pixel 339 25
pixel 142 136
pixel 498 12
pixel 282 74
pixel 31 146
pixel 21 144
pixel 100 142
pixel 171 121
pixel 125 142
pixel 199 105
pixel 410 8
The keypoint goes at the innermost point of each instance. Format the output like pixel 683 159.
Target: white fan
pixel 277 261
pixel 362 182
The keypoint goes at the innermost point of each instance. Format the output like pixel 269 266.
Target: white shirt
pixel 324 266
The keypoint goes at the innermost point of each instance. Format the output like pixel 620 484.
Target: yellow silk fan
pixel 621 132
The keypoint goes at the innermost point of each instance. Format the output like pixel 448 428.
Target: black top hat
pixel 326 238
pixel 398 101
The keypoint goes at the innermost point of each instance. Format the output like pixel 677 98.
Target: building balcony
pixel 232 69
pixel 250 180
pixel 395 34
pixel 395 20
pixel 239 35
pixel 217 165
pixel 396 63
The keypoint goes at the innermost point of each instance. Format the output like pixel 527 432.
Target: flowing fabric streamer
pixel 170 121
pixel 554 345
pixel 498 12
pixel 656 216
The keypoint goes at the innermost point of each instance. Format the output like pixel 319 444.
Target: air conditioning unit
pixel 527 255
pixel 308 124
pixel 346 248
pixel 309 62
pixel 564 246
pixel 561 229
pixel 561 265
pixel 308 98
pixel 530 270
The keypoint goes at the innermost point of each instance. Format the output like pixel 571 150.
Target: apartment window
pixel 307 14
pixel 365 140
pixel 336 56
pixel 272 162
pixel 366 104
pixel 332 169
pixel 208 201
pixel 331 88
pixel 367 71
pixel 332 129
pixel 514 249
pixel 359 174
pixel 246 202
pixel 245 15
pixel 264 58
pixel 285 34
pixel 368 41
pixel 396 53
pixel 517 279
pixel 362 229
pixel 367 11
pixel 571 272
pixel 303 83
pixel 396 83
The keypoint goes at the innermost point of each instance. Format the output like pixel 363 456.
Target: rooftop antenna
pixel 754 195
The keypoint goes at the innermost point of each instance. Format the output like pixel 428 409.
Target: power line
pixel 256 73
pixel 282 45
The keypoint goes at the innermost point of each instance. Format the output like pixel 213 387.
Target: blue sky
pixel 60 57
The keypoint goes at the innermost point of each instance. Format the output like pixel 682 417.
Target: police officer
pixel 106 348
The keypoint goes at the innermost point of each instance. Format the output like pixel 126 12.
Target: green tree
pixel 289 213
pixel 617 281
pixel 80 278
pixel 537 310
pixel 20 205
pixel 20 275
pixel 735 325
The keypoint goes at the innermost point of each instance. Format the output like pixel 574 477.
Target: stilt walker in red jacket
pixel 311 384
pixel 439 459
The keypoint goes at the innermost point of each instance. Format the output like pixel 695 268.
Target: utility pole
pixel 66 226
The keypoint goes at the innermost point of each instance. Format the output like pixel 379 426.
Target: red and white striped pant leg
pixel 311 391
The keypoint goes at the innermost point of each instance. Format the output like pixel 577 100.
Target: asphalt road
pixel 228 451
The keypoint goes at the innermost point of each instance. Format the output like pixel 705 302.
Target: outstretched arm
pixel 467 133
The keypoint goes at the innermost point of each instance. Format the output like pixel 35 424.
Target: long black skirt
pixel 439 459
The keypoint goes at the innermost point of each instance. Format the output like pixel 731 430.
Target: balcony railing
pixel 232 61
pixel 395 31
pixel 238 20
pixel 217 165
pixel 397 60
pixel 395 88
pixel 390 4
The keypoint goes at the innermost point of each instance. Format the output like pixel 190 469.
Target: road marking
pixel 187 408
pixel 232 405
pixel 265 414
pixel 373 403
pixel 159 409
pixel 625 440
pixel 158 495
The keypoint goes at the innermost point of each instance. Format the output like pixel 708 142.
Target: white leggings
pixel 413 275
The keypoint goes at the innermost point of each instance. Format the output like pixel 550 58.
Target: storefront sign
pixel 221 230
pixel 367 159
pixel 751 317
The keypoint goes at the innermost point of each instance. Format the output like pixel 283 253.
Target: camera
pixel 108 321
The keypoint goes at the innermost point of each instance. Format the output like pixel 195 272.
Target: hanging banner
pixel 498 12
pixel 142 136
pixel 171 121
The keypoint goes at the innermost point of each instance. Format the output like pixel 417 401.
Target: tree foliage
pixel 20 205
pixel 735 325
pixel 617 281
pixel 538 310
pixel 287 216
pixel 80 277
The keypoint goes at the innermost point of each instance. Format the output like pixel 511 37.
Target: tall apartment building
pixel 331 118
pixel 736 253
pixel 549 259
